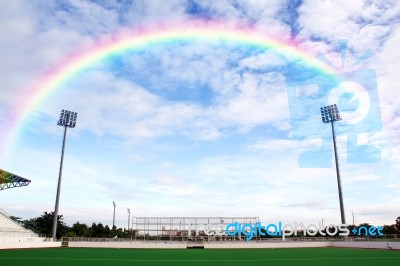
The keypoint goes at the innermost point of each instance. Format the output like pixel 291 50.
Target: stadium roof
pixel 9 180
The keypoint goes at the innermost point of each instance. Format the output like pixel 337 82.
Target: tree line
pixel 43 225
pixel 393 229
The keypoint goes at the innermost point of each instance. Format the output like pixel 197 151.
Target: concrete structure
pixel 13 235
pixel 216 245
pixel 9 229
pixel 21 245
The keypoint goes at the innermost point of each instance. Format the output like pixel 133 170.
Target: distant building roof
pixel 9 180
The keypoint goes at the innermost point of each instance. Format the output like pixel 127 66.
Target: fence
pixel 384 238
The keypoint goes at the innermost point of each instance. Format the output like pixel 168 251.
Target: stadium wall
pixel 21 245
pixel 166 245
pixel 183 245
pixel 267 245
pixel 19 239
pixel 375 244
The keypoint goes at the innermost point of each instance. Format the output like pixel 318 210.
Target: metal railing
pixel 143 239
pixel 4 212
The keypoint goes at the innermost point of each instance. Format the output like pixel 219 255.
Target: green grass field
pixel 211 257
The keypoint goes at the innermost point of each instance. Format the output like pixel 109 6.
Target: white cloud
pixel 364 24
pixel 154 11
pixel 321 18
pixel 263 60
pixel 282 145
pixel 201 152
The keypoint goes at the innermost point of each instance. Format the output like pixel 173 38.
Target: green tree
pixel 398 224
pixel 16 219
pixel 44 224
pixel 81 230
pixel 99 230
pixel 389 229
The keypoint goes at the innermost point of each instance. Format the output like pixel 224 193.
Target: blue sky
pixel 203 128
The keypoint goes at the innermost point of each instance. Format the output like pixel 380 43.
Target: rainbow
pixel 140 37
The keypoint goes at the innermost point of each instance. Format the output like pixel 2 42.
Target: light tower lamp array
pixel 330 114
pixel 67 119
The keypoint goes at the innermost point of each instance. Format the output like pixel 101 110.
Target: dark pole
pixel 129 218
pixel 67 119
pixel 114 215
pixel 330 114
pixel 338 176
pixel 55 218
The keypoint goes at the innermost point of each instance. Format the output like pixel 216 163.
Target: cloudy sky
pixel 200 127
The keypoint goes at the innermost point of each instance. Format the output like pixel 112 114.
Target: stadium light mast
pixel 330 114
pixel 129 218
pixel 114 215
pixel 67 119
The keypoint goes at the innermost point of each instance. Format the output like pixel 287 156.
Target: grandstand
pixel 9 180
pixel 11 231
pixel 13 235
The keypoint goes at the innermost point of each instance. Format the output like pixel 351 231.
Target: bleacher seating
pixel 12 231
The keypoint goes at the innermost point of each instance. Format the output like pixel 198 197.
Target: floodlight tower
pixel 129 217
pixel 114 214
pixel 67 119
pixel 330 114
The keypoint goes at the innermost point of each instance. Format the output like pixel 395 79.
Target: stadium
pixel 177 240
pixel 168 240
pixel 228 133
